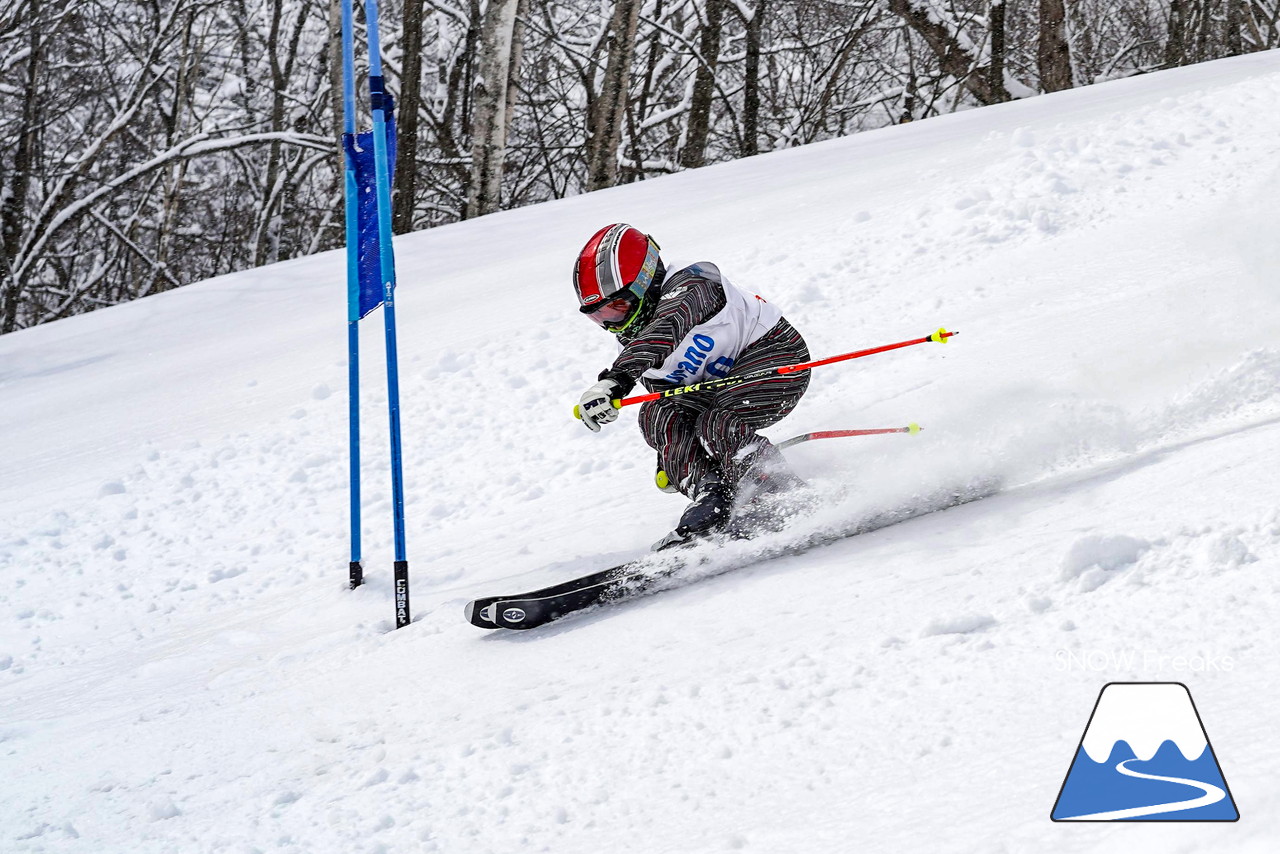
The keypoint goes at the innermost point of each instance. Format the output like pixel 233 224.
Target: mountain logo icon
pixel 1145 756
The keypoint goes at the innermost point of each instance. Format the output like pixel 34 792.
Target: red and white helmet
pixel 613 273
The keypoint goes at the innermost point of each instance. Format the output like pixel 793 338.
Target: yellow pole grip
pixel 577 413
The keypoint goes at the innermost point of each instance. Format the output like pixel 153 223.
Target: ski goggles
pixel 612 313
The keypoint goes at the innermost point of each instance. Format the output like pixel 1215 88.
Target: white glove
pixel 596 405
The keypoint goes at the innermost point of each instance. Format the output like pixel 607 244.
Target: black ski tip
pixel 478 614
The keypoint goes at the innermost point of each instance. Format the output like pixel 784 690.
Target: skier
pixel 676 329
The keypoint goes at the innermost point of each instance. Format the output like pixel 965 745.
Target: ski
pixel 655 572
pixel 529 610
pixel 482 613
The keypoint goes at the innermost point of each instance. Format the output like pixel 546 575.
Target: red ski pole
pixel 939 337
pixel 911 428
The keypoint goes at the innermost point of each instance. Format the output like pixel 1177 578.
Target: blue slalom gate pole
pixel 367 286
pixel 377 98
pixel 353 286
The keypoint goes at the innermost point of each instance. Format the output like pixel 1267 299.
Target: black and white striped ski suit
pixel 712 431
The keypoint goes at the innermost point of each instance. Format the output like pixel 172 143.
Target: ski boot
pixel 708 513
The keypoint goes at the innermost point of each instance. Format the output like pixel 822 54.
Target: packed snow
pixel 182 667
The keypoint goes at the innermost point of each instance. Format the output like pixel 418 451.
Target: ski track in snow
pixel 182 668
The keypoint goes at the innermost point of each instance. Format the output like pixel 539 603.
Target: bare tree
pixel 751 79
pixel 694 152
pixel 995 70
pixel 410 107
pixel 18 178
pixel 956 56
pixel 1054 53
pixel 608 110
pixel 108 194
pixel 491 110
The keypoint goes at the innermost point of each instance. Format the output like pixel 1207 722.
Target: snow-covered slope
pixel 182 668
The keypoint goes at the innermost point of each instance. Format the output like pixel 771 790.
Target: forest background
pixel 152 144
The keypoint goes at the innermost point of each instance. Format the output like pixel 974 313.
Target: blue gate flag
pixel 359 151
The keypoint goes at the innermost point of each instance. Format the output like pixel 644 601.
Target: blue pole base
pixel 357 574
pixel 402 593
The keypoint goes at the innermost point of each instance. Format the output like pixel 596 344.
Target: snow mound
pixel 1096 559
pixel 962 624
